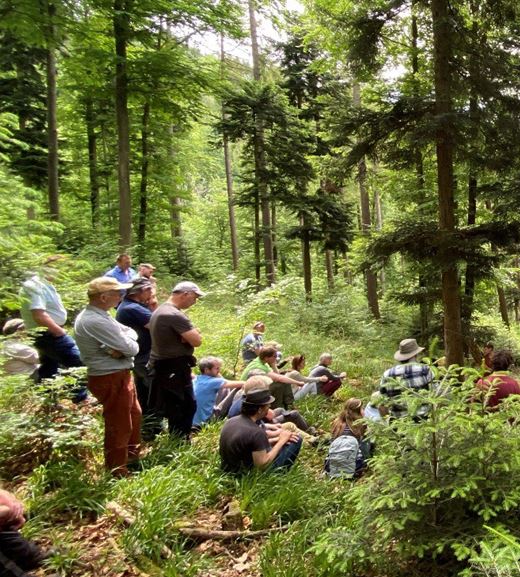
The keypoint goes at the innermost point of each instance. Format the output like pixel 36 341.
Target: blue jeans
pixel 56 352
pixel 287 455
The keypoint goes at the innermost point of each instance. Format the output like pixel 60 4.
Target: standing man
pixel 123 271
pixel 43 309
pixel 108 349
pixel 133 312
pixel 174 339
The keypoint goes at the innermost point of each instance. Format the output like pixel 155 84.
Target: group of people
pixel 140 362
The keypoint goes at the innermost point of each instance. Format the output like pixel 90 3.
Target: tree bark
pixel 378 211
pixel 306 258
pixel 502 303
pixel 229 179
pixel 259 156
pixel 366 221
pixel 143 189
pixel 90 121
pixel 121 24
pixel 442 46
pixel 52 123
pixel 329 266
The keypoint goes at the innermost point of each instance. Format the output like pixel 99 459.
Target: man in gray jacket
pixel 108 348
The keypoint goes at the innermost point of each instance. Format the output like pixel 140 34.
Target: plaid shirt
pixel 415 376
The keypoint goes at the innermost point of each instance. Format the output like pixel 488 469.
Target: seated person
pixel 348 450
pixel 499 384
pixel 279 415
pixel 207 385
pixel 17 554
pixel 244 443
pixel 21 359
pixel 253 342
pixel 333 382
pixel 408 374
pixel 373 410
pixel 307 385
pixel 265 364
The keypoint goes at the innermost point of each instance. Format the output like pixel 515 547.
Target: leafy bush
pixel 434 484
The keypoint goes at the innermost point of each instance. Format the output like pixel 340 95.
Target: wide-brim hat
pixel 258 397
pixel 408 348
pixel 104 284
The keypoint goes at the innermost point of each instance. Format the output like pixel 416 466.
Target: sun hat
pixel 186 286
pixel 408 348
pixel 258 397
pixel 104 284
pixel 148 265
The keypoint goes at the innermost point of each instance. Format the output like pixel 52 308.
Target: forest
pixel 346 172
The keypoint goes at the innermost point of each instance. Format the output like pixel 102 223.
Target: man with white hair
pixel 174 339
pixel 334 380
pixel 408 374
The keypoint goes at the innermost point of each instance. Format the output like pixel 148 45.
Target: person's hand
pixel 323 379
pixel 116 354
pixel 288 436
pixel 59 332
pixel 342 375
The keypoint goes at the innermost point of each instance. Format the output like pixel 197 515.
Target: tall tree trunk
pixel 143 189
pixel 256 233
pixel 229 178
pixel 329 265
pixel 471 270
pixel 378 210
pixel 306 258
pixel 90 121
pixel 273 234
pixel 366 221
pixel 121 34
pixel 52 123
pixel 419 173
pixel 442 46
pixel 259 155
pixel 502 303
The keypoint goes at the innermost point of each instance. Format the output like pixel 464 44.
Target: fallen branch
pixel 206 534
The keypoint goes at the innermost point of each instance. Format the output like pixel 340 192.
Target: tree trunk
pixel 502 303
pixel 366 221
pixel 256 234
pixel 306 258
pixel 273 234
pixel 442 46
pixel 259 156
pixel 52 124
pixel 229 179
pixel 378 210
pixel 143 189
pixel 329 265
pixel 90 121
pixel 121 34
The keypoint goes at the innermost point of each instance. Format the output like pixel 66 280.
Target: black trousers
pixel 172 394
pixel 17 554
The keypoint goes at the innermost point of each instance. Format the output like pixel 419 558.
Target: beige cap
pixel 104 284
pixel 148 265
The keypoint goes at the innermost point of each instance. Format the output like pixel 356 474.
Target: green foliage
pixel 435 483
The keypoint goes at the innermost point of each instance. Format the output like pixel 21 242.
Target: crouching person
pixel 244 444
pixel 349 449
pixel 17 554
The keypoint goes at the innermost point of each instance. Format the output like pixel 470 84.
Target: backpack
pixel 343 456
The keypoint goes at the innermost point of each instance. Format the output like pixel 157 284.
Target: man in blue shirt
pixel 133 312
pixel 123 271
pixel 207 386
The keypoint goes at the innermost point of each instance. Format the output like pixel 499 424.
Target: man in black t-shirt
pixel 244 444
pixel 174 339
